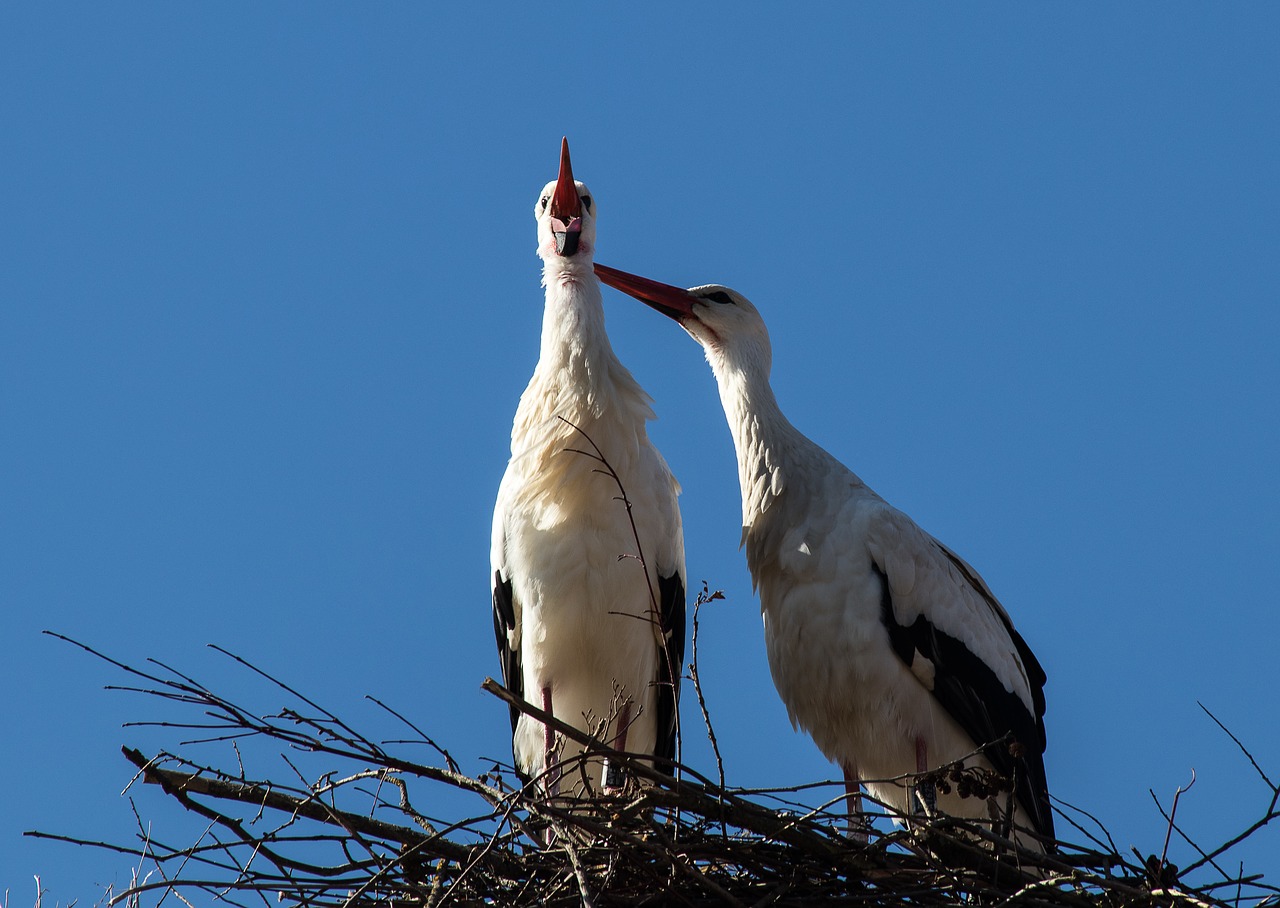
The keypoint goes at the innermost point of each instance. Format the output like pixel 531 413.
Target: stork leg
pixel 548 762
pixel 613 777
pixel 853 803
pixel 549 745
pixel 926 791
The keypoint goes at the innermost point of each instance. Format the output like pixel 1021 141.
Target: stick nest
pixel 356 832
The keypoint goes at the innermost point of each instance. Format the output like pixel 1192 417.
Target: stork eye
pixel 719 296
pixel 586 202
pixel 542 202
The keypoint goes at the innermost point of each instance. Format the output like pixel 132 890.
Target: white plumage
pixel 886 647
pixel 580 628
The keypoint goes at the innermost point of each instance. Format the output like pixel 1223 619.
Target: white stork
pixel 885 646
pixel 583 633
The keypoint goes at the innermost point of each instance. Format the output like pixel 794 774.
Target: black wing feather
pixel 504 622
pixel 1036 677
pixel 973 695
pixel 670 667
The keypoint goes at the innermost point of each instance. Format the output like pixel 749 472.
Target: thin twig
pixel 655 609
pixel 704 597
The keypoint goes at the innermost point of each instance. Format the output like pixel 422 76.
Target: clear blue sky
pixel 268 297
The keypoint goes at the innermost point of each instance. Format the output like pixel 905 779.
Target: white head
pixel 724 321
pixel 566 215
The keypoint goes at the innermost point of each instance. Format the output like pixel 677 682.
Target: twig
pixel 1173 812
pixel 705 597
pixel 655 609
pixel 1244 750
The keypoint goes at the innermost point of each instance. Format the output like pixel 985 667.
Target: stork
pixel 587 550
pixel 885 646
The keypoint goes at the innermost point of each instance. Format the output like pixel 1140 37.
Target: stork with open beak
pixel 885 646
pixel 588 590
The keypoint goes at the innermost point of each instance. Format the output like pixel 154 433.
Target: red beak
pixel 566 207
pixel 672 302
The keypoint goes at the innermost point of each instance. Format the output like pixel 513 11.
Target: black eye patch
pixel 719 296
pixel 586 202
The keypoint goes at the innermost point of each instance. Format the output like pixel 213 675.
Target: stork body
pixel 581 630
pixel 885 646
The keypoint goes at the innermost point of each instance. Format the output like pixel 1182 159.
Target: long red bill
pixel 670 301
pixel 566 207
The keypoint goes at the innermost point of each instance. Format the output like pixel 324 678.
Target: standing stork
pixel 588 551
pixel 885 646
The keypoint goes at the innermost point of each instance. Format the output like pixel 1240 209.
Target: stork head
pixel 726 324
pixel 566 215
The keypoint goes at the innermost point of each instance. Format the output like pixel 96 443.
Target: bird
pixel 587 551
pixel 885 646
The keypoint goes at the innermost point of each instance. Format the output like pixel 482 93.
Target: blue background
pixel 268 298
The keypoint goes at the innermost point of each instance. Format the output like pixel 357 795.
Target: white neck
pixel 769 447
pixel 574 341
pixel 578 377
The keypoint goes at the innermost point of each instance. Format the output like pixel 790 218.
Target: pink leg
pixel 613 774
pixel 548 756
pixel 624 720
pixel 853 802
pixel 926 791
pixel 549 745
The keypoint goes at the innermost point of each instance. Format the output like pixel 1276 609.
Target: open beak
pixel 672 302
pixel 566 207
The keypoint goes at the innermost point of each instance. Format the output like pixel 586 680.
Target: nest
pixel 357 835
